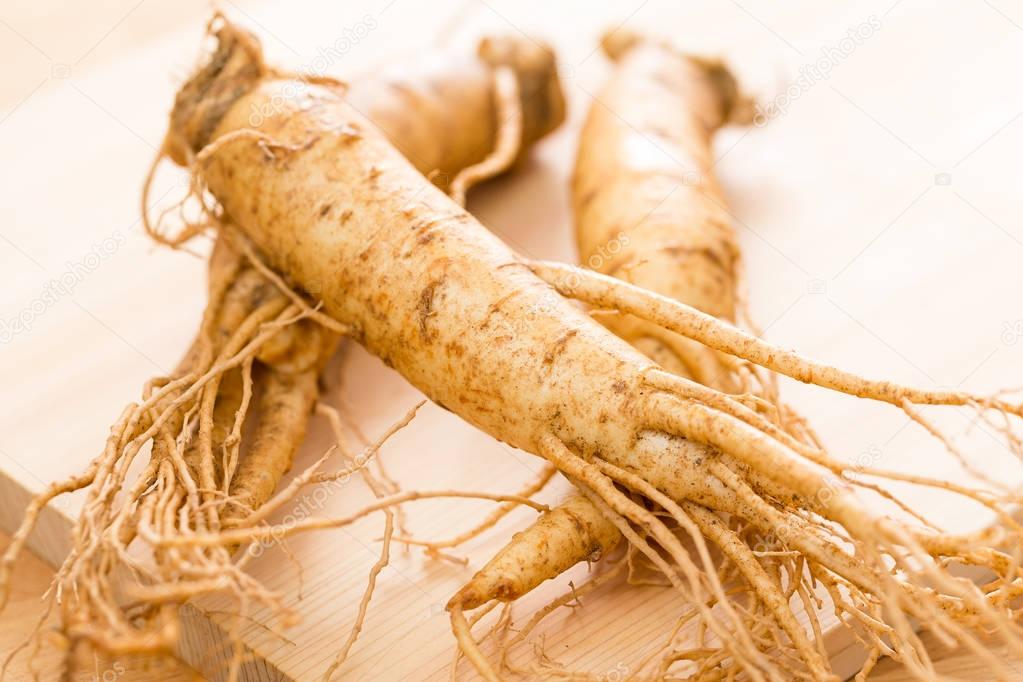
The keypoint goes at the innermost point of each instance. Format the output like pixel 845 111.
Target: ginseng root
pixel 333 206
pixel 460 119
pixel 648 220
pixel 663 225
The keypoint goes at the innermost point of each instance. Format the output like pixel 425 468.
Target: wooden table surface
pixel 32 577
pixel 878 214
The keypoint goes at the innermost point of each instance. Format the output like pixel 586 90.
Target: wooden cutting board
pixel 876 211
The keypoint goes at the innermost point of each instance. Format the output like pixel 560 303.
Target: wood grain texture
pixel 877 213
pixel 32 577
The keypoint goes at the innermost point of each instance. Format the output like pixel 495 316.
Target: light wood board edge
pixel 205 645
